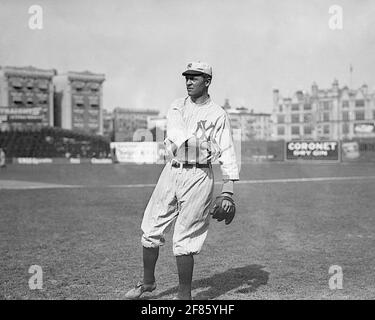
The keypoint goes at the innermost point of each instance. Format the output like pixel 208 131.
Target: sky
pixel 143 46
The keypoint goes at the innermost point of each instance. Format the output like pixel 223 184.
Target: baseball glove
pixel 219 213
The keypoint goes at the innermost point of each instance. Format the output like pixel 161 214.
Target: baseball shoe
pixel 139 289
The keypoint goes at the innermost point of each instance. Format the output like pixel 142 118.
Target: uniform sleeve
pixel 227 160
pixel 176 128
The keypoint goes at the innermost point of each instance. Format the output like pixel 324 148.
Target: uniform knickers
pixel 182 195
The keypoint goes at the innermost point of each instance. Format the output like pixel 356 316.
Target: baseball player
pixel 198 133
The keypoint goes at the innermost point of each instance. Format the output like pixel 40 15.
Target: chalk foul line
pixel 29 185
pixel 262 181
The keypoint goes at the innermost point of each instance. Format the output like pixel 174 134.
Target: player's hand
pixel 219 213
pixel 170 148
pixel 227 205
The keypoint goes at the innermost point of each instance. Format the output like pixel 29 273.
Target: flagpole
pixel 351 76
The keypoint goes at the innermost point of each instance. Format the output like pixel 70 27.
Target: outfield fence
pixel 58 146
pixel 356 150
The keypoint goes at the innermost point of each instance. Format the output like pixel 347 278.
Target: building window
pixel 307 117
pixel 78 101
pixel 280 118
pixel 94 112
pixel 295 130
pixel 79 111
pixel 94 87
pixel 326 116
pixel 77 118
pixel 94 101
pixel 307 106
pixel 295 118
pixel 345 128
pixel 280 131
pixel 360 115
pixel 345 104
pixel 280 108
pixel 43 85
pixel 93 119
pixel 360 103
pixel 17 97
pixel 16 83
pixel 325 105
pixel 30 85
pixel 78 85
pixel 78 125
pixel 345 116
pixel 326 129
pixel 295 107
pixel 307 130
pixel 42 100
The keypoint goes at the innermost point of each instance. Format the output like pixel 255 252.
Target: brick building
pixel 324 114
pixel 127 121
pixel 79 101
pixel 26 97
pixel 253 125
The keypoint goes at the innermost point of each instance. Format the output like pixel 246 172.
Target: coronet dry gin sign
pixel 312 150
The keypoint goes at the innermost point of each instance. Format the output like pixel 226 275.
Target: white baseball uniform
pixel 184 195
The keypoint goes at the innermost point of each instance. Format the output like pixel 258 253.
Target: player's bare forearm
pixel 228 187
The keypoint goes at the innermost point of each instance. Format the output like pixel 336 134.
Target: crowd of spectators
pixel 52 142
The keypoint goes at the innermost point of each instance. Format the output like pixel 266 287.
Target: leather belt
pixel 177 164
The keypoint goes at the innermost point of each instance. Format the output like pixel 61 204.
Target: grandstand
pixel 52 142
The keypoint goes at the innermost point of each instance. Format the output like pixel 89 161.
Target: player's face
pixel 196 85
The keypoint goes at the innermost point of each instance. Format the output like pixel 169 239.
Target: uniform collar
pixel 188 99
pixel 203 103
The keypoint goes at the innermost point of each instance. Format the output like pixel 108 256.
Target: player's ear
pixel 208 81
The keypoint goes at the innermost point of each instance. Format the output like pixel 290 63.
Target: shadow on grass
pixel 247 279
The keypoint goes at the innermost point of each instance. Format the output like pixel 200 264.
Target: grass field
pixel 81 224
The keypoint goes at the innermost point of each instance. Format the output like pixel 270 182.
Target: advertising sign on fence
pixel 350 150
pixel 364 128
pixel 135 152
pixel 312 150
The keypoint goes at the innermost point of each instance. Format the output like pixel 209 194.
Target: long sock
pixel 150 256
pixel 185 266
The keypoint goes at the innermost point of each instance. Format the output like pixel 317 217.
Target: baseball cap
pixel 197 68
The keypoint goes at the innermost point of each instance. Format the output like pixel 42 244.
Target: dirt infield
pixel 285 237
